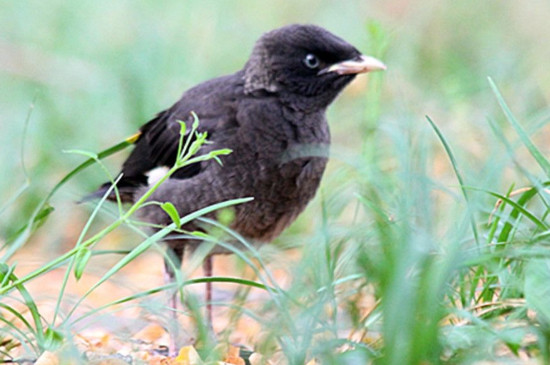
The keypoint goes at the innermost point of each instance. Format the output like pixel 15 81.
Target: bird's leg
pixel 172 262
pixel 207 268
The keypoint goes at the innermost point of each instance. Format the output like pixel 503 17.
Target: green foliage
pixel 52 338
pixel 428 242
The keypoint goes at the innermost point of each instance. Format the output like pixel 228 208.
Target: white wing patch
pixel 156 174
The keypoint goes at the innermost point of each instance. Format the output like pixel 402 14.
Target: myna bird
pixel 271 114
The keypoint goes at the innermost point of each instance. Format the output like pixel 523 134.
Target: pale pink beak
pixel 358 65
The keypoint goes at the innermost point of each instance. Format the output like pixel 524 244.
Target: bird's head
pixel 305 61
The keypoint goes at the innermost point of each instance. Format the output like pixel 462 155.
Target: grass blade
pixel 535 152
pixel 458 176
pixel 41 212
pixel 156 237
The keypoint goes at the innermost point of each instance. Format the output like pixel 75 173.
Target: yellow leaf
pixel 187 356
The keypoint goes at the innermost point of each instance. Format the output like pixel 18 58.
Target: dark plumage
pixel 271 114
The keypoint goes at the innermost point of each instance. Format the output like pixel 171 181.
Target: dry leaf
pixel 187 356
pixel 233 357
pixel 257 359
pixel 47 358
pixel 151 333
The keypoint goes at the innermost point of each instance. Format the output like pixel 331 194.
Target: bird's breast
pixel 278 159
pixel 281 187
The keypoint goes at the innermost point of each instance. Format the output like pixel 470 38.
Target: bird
pixel 272 115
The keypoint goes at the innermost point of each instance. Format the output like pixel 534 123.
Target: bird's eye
pixel 311 61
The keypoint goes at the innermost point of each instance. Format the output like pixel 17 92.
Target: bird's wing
pixel 157 145
pixel 155 150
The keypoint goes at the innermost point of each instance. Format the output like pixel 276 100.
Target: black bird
pixel 271 114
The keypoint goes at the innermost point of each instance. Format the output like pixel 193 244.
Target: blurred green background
pixel 98 70
pixel 95 71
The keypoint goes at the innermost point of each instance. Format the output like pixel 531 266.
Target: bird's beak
pixel 358 65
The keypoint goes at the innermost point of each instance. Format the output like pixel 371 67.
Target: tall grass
pixel 427 242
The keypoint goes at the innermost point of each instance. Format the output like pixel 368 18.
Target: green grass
pixel 440 223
